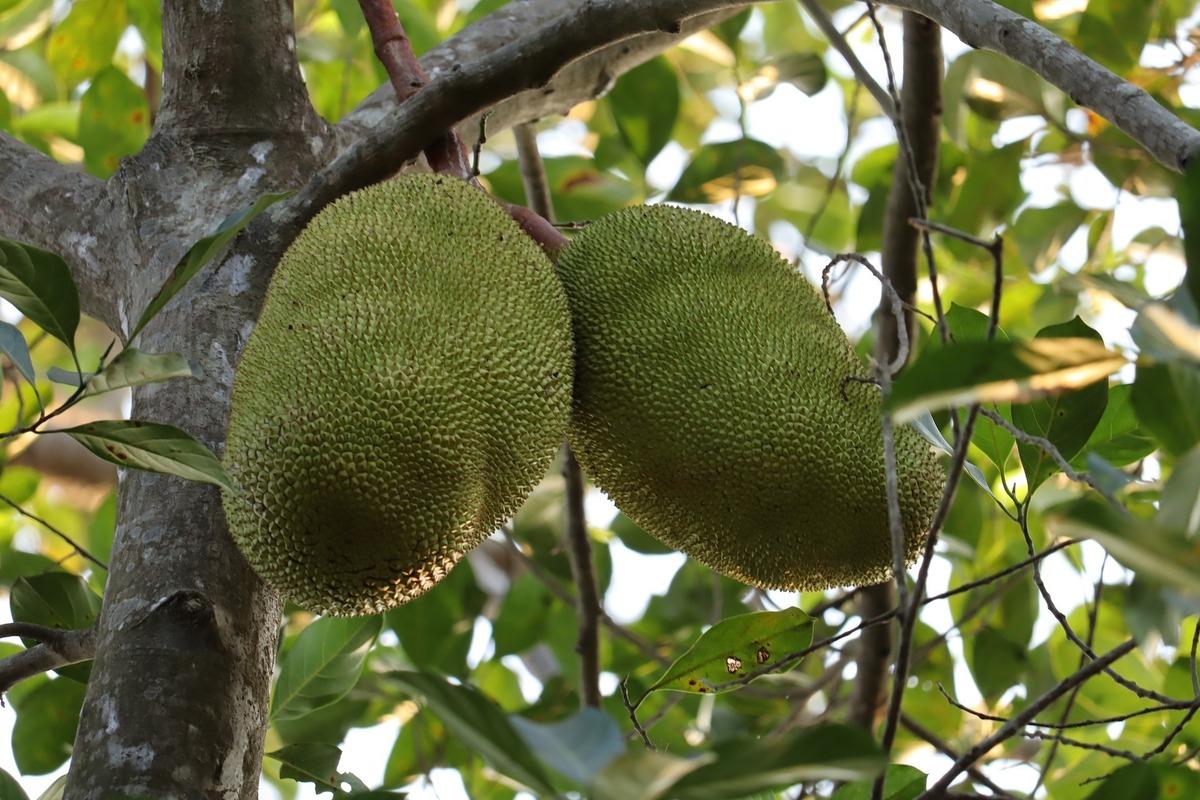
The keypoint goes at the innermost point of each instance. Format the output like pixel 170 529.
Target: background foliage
pixel 758 120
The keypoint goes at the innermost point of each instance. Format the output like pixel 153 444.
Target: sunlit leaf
pixel 39 284
pixel 998 372
pixel 84 42
pixel 151 446
pixel 480 725
pixel 805 71
pixel 725 170
pixel 114 121
pixel 132 367
pixel 735 647
pixel 202 252
pixel 1164 335
pixel 315 763
pixel 323 664
pixel 1139 544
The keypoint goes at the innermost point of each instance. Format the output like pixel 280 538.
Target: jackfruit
pixel 716 403
pixel 406 385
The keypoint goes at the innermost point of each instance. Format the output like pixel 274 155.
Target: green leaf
pixel 44 732
pixel 735 647
pixel 1066 419
pixel 1119 438
pixel 902 783
pixel 1179 504
pixel 997 662
pixel 643 775
pixel 39 284
pixel 1165 335
pixel 315 763
pixel 482 727
pixel 14 346
pixel 10 789
pixel 636 539
pixel 324 664
pixel 805 71
pixel 745 766
pixel 722 171
pixel 58 789
pixel 1114 32
pixel 646 126
pixel 1130 782
pixel 58 600
pixel 1139 544
pixel 114 121
pixel 924 425
pixel 1188 195
pixel 578 747
pixel 151 446
pixel 84 42
pixel 1164 397
pixel 132 367
pixel 201 253
pixel 998 372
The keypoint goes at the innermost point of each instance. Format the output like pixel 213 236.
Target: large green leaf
pixel 745 766
pixel 1188 195
pixel 1164 397
pixel 151 446
pixel 998 372
pixel 39 284
pixel 47 718
pixel 1066 419
pixel 316 763
pixel 323 664
pixel 1114 32
pixel 902 783
pixel 10 789
pixel 84 42
pixel 482 727
pixel 578 747
pixel 724 170
pixel 646 126
pixel 735 647
pixel 58 600
pixel 114 121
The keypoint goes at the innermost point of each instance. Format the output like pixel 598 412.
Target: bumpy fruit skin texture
pixel 406 385
pixel 711 404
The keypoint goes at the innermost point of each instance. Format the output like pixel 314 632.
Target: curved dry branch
pixel 613 47
pixel 986 25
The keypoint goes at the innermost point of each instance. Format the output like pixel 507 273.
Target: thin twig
pixel 838 40
pixel 76 547
pixel 1010 728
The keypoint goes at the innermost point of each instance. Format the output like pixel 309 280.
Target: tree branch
pixel 61 209
pixel 613 47
pixel 55 648
pixel 987 25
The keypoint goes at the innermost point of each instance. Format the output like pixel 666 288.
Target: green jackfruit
pixel 715 403
pixel 406 385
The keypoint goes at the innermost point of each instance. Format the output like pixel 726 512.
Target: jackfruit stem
pixel 548 237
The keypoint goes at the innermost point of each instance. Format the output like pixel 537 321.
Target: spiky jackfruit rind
pixel 715 403
pixel 405 387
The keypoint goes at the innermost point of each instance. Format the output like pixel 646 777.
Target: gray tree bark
pixel 177 702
